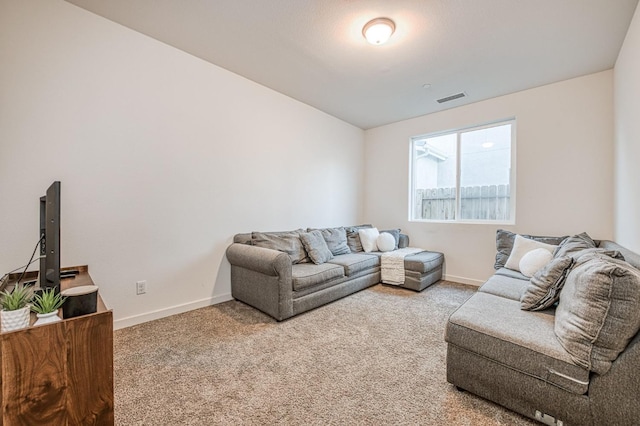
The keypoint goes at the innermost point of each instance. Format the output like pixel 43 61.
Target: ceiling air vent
pixel 452 97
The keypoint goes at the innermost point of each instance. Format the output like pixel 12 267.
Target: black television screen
pixel 50 238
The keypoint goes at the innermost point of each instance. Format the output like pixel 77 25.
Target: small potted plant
pixel 15 308
pixel 46 306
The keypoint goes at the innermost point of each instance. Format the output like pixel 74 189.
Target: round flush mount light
pixel 377 31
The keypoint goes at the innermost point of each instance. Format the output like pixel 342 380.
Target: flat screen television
pixel 50 238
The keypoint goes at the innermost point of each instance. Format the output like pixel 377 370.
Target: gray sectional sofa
pixel 573 361
pixel 272 272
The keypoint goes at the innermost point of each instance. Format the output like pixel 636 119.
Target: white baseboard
pixel 463 280
pixel 172 310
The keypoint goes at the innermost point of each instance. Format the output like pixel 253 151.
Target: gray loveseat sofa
pixel 559 364
pixel 271 271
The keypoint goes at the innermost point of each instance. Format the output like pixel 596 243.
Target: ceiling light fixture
pixel 377 31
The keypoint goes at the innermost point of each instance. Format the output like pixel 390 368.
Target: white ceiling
pixel 313 50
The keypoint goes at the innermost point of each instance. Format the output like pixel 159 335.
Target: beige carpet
pixel 373 358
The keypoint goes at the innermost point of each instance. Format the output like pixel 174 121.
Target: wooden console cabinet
pixel 60 373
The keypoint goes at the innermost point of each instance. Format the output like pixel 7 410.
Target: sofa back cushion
pixel 572 246
pixel 505 241
pixel 288 242
pixel 336 239
pixel 599 310
pixel 316 247
pixel 353 238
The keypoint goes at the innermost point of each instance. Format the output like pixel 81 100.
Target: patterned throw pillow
pixel 545 285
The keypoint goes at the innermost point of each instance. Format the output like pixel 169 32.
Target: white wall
pixel 627 136
pixel 564 170
pixel 162 157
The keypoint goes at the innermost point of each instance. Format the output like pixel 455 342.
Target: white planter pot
pixel 47 318
pixel 15 320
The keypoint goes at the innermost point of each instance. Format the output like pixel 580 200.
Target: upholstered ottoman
pixel 422 269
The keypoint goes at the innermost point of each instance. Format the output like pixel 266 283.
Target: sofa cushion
pixel 353 238
pixel 316 247
pixel 385 242
pixel 336 239
pixel 288 242
pixel 534 261
pixel 544 287
pixel 368 237
pixel 495 328
pixel 305 275
pixel 396 236
pixel 505 286
pixel 355 263
pixel 522 246
pixel 599 310
pixel 423 262
pixel 505 240
pixel 571 246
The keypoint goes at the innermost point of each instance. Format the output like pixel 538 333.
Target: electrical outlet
pixel 141 287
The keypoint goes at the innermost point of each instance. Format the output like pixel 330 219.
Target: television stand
pixel 59 373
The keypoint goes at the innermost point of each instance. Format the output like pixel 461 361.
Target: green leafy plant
pixel 15 299
pixel 47 302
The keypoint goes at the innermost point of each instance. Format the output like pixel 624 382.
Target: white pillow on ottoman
pixel 534 260
pixel 368 238
pixel 386 242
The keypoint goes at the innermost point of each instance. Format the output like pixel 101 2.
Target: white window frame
pixel 458 132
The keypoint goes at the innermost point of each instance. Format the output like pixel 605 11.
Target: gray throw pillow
pixel 288 242
pixel 396 235
pixel 598 310
pixel 315 245
pixel 571 246
pixel 353 238
pixel 545 285
pixel 336 239
pixel 506 239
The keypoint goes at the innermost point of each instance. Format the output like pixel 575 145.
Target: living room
pixel 163 157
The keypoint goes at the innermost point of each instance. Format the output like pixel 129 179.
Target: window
pixel 465 175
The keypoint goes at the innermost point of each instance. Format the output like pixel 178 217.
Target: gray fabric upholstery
pixel 489 337
pixel 424 261
pixel 503 286
pixel 505 240
pixel 336 239
pixel 496 328
pixel 545 285
pixel 396 236
pixel 266 279
pixel 307 274
pixel 573 245
pixel 355 263
pixel 353 238
pixel 403 241
pixel 288 242
pixel 598 313
pixel 316 247
pixel 506 272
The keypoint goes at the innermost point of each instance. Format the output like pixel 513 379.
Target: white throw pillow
pixel 534 260
pixel 386 242
pixel 368 238
pixel 522 246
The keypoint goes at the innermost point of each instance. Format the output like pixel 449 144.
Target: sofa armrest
pixel 265 261
pixel 261 278
pixel 404 241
